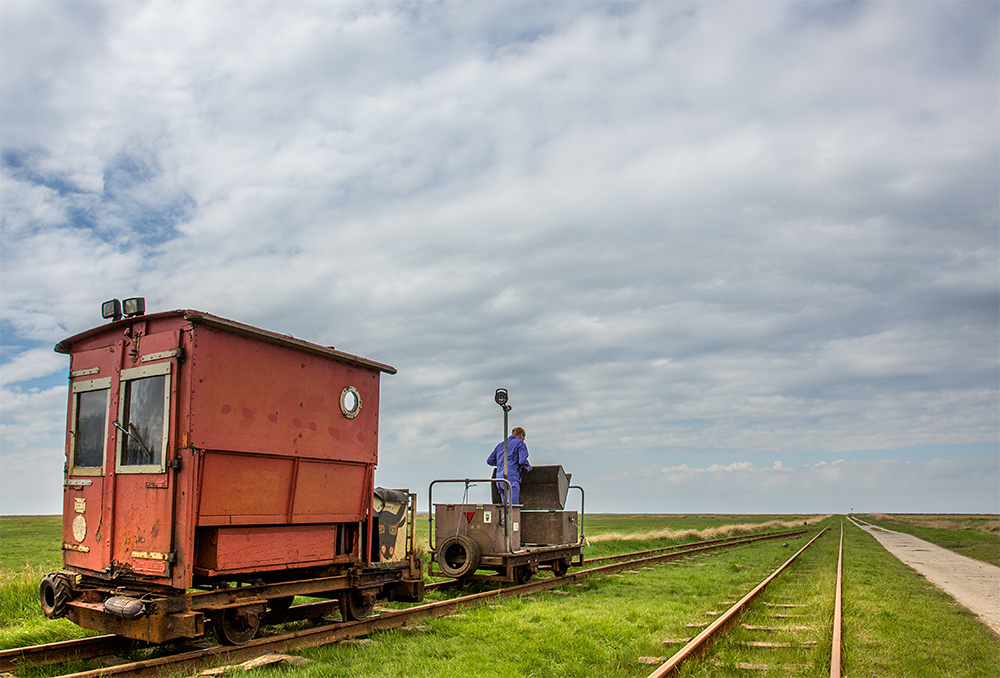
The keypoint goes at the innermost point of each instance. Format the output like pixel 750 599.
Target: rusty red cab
pixel 203 453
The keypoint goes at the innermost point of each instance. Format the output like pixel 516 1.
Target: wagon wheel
pixel 235 626
pixel 523 574
pixel 560 567
pixel 355 605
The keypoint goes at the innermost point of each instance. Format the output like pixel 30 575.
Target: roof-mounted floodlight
pixel 501 397
pixel 133 306
pixel 111 309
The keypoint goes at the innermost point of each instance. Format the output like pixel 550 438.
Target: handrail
pixel 582 497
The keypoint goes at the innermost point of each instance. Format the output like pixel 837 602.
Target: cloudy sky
pixel 726 257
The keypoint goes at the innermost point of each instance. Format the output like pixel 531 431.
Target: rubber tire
pixel 54 593
pixel 458 556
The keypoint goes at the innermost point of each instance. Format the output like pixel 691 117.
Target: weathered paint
pixel 255 456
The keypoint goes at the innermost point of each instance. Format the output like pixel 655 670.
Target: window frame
pixel 86 386
pixel 128 376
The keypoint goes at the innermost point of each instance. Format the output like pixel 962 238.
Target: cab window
pixel 89 426
pixel 142 426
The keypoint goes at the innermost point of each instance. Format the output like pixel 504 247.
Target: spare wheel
pixel 458 556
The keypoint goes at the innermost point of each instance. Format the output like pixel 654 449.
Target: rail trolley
pixel 507 542
pixel 215 470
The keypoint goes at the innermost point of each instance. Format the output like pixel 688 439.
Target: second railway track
pixel 779 625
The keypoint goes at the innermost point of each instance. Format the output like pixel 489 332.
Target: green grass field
pixel 30 540
pixel 895 623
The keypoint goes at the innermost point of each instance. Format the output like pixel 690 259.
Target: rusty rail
pixel 837 619
pixel 720 541
pixel 62 651
pixel 721 625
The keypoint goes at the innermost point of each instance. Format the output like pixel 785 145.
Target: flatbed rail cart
pixel 504 542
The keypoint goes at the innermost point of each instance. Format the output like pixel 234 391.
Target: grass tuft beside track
pixel 713 532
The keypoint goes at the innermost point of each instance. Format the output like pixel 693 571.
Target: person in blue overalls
pixel 517 461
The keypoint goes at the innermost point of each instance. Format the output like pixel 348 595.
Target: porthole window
pixel 350 402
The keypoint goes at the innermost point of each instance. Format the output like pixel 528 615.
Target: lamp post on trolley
pixel 501 399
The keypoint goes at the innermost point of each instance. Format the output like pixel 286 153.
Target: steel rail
pixel 722 540
pixel 62 651
pixel 703 640
pixel 99 646
pixel 337 631
pixel 837 619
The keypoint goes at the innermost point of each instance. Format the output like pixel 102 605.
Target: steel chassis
pixel 172 613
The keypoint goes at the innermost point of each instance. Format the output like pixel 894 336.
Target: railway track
pixel 837 637
pixel 714 633
pixel 195 657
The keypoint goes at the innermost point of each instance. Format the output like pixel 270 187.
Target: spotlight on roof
pixel 111 309
pixel 133 306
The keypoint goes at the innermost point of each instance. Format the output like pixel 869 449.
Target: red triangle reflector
pixel 469 516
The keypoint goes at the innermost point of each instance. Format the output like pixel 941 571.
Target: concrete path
pixel 973 583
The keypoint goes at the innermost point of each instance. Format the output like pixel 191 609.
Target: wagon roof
pixel 201 318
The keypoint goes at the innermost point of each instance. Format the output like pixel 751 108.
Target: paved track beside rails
pixel 973 583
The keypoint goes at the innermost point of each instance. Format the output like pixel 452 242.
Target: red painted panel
pixel 331 491
pixel 143 521
pixel 82 518
pixel 87 522
pixel 237 488
pixel 259 437
pixel 242 548
pixel 144 502
pixel 254 396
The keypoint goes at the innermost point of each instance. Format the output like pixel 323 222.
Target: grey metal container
pixel 549 527
pixel 544 488
pixel 480 522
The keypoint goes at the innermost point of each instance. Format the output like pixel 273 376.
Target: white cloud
pixel 31 364
pixel 670 229
pixel 938 485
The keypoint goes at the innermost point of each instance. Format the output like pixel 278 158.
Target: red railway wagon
pixel 216 470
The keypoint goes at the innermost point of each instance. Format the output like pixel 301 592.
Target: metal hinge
pixel 175 463
pixel 153 555
pixel 175 353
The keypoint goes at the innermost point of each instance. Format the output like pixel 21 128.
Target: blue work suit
pixel 517 458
